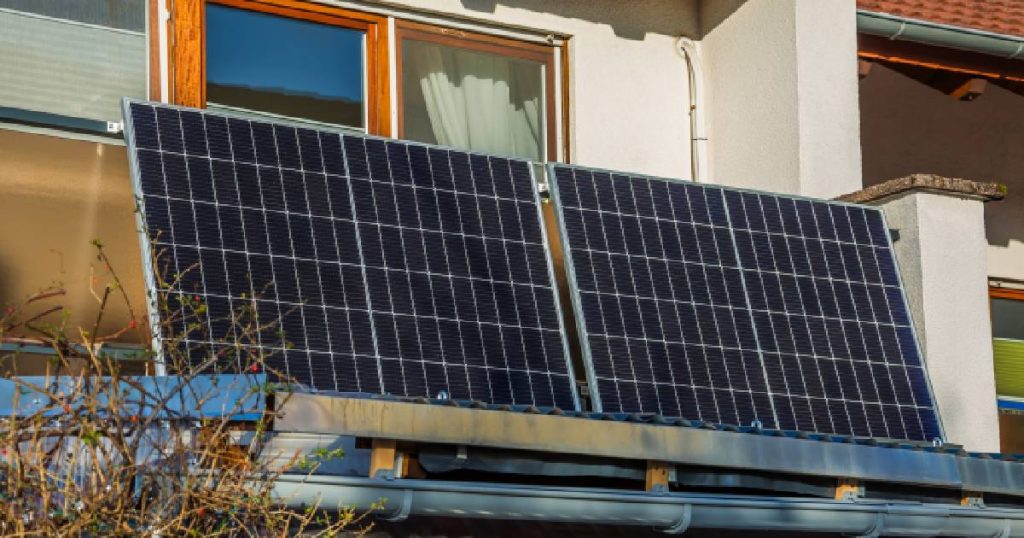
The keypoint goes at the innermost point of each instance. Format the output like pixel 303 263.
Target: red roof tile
pixel 1000 16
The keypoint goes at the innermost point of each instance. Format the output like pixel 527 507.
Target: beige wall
pixel 942 241
pixel 56 196
pixel 629 90
pixel 781 76
pixel 907 127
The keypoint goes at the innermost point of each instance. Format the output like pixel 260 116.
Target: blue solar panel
pixel 386 267
pixel 733 307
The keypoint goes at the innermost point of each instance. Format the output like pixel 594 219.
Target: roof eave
pixel 941 35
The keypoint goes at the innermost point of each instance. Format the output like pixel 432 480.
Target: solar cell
pixel 734 306
pixel 385 266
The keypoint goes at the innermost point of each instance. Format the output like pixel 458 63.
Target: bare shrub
pixel 89 450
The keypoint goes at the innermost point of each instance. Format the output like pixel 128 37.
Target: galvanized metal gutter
pixel 673 513
pixel 671 443
pixel 941 35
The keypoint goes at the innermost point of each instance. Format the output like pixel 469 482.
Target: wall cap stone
pixel 984 191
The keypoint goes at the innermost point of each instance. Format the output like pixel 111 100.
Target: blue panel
pixel 787 311
pixel 383 266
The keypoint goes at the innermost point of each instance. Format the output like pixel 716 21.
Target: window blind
pixel 69 67
pixel 1009 366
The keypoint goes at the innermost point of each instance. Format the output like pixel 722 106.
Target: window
pixel 1008 341
pixel 68 63
pixel 476 92
pixel 1008 355
pixel 326 64
pixel 285 66
pixel 286 58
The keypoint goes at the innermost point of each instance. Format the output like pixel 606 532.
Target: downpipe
pixel 687 48
pixel 672 513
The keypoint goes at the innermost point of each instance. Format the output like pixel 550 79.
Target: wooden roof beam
pixel 969 90
pixel 958 85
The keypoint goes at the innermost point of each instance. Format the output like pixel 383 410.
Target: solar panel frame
pixel 575 292
pixel 147 245
pixel 145 242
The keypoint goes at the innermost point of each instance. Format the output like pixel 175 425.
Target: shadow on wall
pixel 715 12
pixel 626 19
pixel 908 127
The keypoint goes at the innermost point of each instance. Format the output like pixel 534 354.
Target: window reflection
pixel 289 67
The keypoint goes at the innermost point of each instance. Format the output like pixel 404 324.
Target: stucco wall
pixel 629 90
pixel 942 241
pixel 908 127
pixel 782 89
pixel 56 196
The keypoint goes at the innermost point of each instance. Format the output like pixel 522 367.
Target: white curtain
pixel 474 100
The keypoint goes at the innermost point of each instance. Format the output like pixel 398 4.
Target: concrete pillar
pixel 781 79
pixel 941 252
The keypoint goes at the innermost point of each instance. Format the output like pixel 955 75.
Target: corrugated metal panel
pixel 69 68
pixel 1009 366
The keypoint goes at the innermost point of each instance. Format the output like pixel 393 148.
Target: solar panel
pixel 733 306
pixel 387 267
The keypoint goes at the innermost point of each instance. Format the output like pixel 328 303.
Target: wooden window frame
pixel 188 46
pixel 1005 293
pixel 153 43
pixel 464 39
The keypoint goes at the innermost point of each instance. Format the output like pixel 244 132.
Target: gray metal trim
pixel 50 119
pixel 389 419
pixel 574 291
pixel 148 271
pixel 991 476
pixel 549 258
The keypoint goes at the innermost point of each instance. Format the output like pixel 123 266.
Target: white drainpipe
pixel 687 48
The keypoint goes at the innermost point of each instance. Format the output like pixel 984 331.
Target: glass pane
pixel 1008 319
pixel 289 67
pixel 473 100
